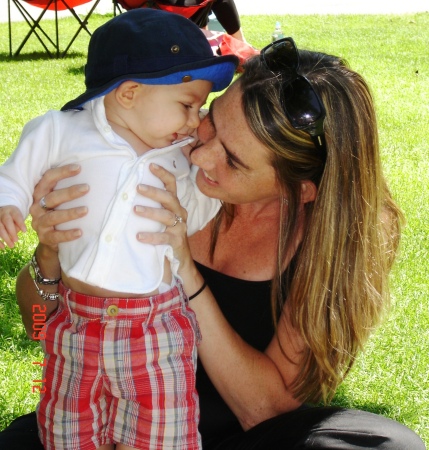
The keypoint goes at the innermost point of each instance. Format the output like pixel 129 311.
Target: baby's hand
pixel 11 221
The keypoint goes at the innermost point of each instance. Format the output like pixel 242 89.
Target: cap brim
pixel 218 70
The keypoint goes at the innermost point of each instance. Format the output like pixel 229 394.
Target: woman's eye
pixel 230 162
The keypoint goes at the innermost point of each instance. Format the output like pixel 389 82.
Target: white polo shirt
pixel 108 253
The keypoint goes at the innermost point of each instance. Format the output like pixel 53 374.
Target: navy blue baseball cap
pixel 152 47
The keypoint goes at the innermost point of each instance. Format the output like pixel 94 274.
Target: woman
pixel 307 236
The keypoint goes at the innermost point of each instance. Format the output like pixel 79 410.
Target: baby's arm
pixel 11 221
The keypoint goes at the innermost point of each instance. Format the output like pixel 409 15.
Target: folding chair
pixel 177 7
pixel 35 23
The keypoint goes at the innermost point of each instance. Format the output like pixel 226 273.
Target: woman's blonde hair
pixel 339 286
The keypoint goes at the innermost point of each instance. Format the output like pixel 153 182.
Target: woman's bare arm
pixel 254 384
pixel 29 301
pixel 44 223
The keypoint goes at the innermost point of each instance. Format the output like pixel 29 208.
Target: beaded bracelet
pixel 37 275
pixel 47 296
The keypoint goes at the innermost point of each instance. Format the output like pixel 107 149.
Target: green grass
pixel 391 377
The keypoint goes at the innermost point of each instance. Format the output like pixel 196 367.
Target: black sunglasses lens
pixel 303 106
pixel 281 56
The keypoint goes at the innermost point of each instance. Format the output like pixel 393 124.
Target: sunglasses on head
pixel 301 104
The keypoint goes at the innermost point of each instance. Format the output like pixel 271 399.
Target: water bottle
pixel 277 33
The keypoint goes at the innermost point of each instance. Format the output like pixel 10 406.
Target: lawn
pixel 391 377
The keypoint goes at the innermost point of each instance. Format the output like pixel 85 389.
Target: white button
pixel 107 129
pixel 125 196
pixel 108 238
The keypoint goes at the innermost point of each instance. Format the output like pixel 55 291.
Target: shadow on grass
pixel 38 56
pixel 343 401
pixel 76 70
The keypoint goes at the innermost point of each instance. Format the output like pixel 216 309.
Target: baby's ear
pixel 126 93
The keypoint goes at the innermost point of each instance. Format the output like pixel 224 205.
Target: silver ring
pixel 177 219
pixel 42 203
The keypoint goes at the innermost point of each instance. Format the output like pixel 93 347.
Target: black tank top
pixel 246 306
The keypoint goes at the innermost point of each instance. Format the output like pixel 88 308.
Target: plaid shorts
pixel 120 370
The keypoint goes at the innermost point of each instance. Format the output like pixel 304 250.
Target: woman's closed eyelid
pixel 230 162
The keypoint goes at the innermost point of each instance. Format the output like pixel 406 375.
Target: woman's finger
pixel 44 196
pixel 45 224
pixel 176 241
pixel 154 238
pixel 51 178
pixel 167 197
pixel 166 177
pixel 161 215
pixel 172 215
pixel 53 218
pixel 175 233
pixel 56 198
pixel 55 237
pixel 171 212
pixel 168 200
pixel 161 196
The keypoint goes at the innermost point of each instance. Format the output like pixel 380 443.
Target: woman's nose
pixel 204 156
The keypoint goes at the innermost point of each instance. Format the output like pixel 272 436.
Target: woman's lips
pixel 208 178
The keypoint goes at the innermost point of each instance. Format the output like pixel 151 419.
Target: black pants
pixel 224 10
pixel 307 428
pixel 324 428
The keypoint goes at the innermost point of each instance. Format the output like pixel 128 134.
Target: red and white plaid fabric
pixel 127 378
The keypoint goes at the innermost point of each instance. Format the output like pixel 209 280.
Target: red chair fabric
pixel 165 5
pixel 59 4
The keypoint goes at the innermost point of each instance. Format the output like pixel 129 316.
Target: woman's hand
pixel 174 217
pixel 172 214
pixel 44 219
